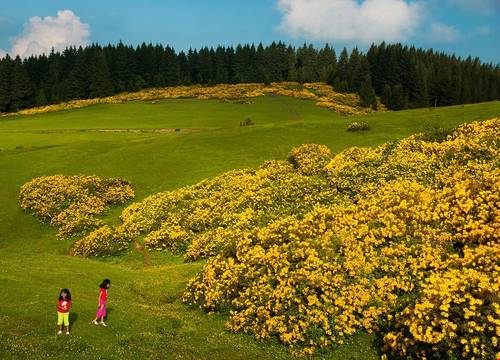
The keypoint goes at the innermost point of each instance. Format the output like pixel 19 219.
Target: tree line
pixel 402 76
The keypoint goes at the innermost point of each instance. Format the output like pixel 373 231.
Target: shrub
pixel 358 126
pixel 203 219
pixel 456 315
pixel 312 279
pixel 246 122
pixel 310 159
pixel 73 202
pixel 169 236
pixel 436 134
pixel 103 241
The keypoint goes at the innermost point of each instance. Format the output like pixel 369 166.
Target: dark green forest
pixel 403 76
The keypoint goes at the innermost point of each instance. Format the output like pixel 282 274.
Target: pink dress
pixel 103 296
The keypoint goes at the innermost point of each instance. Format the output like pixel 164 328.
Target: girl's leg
pixel 103 315
pixel 97 316
pixel 66 320
pixel 59 322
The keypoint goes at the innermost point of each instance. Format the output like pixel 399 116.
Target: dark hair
pixel 105 283
pixel 68 294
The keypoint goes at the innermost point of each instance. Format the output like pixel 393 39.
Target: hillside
pixel 135 140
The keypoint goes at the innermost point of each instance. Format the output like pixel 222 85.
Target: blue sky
pixel 464 27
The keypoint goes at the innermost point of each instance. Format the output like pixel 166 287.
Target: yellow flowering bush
pixel 342 103
pixel 358 126
pixel 364 169
pixel 72 203
pixel 200 220
pixel 310 159
pixel 104 241
pixel 323 94
pixel 423 224
pixel 402 239
pixel 457 313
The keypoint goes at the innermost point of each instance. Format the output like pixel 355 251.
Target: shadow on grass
pixel 73 318
pixel 108 312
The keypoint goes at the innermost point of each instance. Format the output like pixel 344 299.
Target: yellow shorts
pixel 63 318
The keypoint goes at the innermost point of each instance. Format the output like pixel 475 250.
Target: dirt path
pixel 140 248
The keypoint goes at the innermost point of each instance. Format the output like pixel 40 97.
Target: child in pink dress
pixel 101 306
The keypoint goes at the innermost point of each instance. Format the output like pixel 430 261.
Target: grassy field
pixel 139 141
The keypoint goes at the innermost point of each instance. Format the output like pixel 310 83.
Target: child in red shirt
pixel 101 305
pixel 63 306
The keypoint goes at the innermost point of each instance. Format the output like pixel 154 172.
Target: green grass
pixel 147 318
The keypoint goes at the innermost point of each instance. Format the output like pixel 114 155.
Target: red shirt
pixel 63 306
pixel 103 296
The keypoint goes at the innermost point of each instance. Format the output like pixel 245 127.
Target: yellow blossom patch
pixel 323 94
pixel 72 202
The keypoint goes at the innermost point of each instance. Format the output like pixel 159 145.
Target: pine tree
pixel 354 83
pixel 54 78
pixel 37 68
pixel 124 68
pixel 399 99
pixel 367 96
pixel 41 99
pixel 77 83
pixel 259 64
pixel 340 81
pixel 184 77
pixel 242 65
pixel 204 66
pixel 20 86
pixel 386 96
pixel 147 62
pixel 421 94
pixel 361 73
pixel 5 94
pixel 327 63
pixel 276 60
pixel 170 69
pixel 194 74
pixel 373 57
pixel 230 63
pixel 99 82
pixel 493 87
pixel 221 70
pixel 307 64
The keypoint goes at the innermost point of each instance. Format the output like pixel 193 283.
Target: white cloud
pixel 2 53
pixel 40 35
pixel 483 30
pixel 350 20
pixel 442 33
pixel 482 6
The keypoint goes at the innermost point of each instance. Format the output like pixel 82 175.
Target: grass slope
pixel 147 319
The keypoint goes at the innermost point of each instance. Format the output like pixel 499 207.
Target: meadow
pixel 157 146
